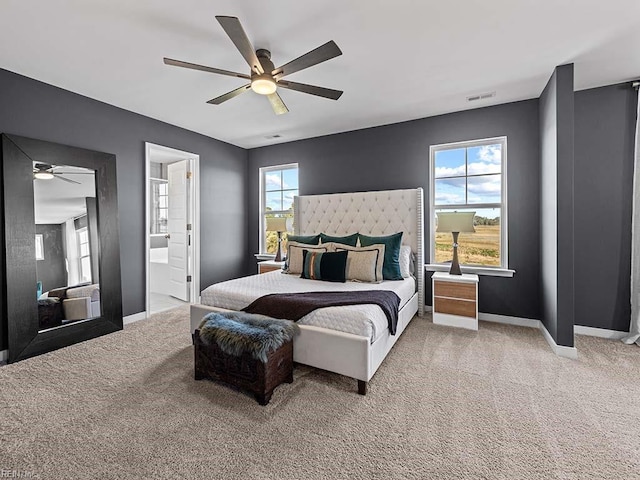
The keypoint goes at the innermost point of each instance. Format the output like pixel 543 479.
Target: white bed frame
pixel 371 213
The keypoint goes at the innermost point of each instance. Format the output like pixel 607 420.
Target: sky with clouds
pixel 451 185
pixel 280 188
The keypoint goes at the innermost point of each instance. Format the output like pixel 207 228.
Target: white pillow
pixel 294 255
pixel 364 264
pixel 406 261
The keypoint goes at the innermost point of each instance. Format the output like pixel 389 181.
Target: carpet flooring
pixel 446 403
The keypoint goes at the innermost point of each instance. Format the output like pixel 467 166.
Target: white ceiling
pixel 56 201
pixel 403 59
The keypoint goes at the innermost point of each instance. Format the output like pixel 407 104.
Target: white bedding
pixel 363 320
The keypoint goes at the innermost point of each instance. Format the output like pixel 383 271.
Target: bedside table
pixel 455 300
pixel 269 266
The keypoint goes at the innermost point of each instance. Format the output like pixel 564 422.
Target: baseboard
pixel 134 318
pixel 560 350
pixel 4 354
pixel 518 321
pixel 599 332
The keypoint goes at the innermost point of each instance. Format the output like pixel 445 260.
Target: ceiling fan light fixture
pixel 263 84
pixel 43 175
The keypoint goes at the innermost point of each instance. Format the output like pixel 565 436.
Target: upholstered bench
pixel 248 351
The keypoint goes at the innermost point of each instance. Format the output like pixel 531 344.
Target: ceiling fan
pixel 264 77
pixel 42 171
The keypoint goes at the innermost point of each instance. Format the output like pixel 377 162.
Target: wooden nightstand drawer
pixel 267 268
pixel 454 290
pixel 451 306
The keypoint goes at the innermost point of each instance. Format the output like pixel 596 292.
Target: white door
pixel 177 229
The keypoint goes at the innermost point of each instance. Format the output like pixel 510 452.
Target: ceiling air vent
pixel 481 96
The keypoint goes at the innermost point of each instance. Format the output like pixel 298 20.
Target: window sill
pixel 487 271
pixel 264 256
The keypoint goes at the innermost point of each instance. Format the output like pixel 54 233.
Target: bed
pixel 355 341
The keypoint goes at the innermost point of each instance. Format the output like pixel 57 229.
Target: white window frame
pixel 263 196
pixel 80 256
pixel 39 247
pixel 502 270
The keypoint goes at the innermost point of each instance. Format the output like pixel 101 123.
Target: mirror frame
pixel 17 295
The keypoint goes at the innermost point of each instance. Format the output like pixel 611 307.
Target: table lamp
pixel 279 225
pixel 455 222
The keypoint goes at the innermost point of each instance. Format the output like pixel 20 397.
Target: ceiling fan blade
pixel 202 68
pixel 230 95
pixel 311 89
pixel 66 179
pixel 277 104
pixel 321 54
pixel 233 28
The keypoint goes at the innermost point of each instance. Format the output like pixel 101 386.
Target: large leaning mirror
pixel 62 258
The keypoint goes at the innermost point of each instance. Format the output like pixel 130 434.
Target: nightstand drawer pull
pixel 455 290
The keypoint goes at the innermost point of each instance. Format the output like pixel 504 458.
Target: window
pixel 471 177
pixel 159 205
pixel 278 186
pixel 39 247
pixel 85 254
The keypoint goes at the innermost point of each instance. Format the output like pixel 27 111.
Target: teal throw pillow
pixel 307 239
pixel 392 243
pixel 350 240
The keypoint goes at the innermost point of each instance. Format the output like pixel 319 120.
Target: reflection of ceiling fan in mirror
pixel 42 171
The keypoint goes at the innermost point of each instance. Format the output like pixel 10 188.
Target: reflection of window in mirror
pixel 85 254
pixel 39 247
pixel 159 205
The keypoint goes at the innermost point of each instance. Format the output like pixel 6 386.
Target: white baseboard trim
pixel 599 332
pixel 518 321
pixel 560 350
pixel 4 354
pixel 134 318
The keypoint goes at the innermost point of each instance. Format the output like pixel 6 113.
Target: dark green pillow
pixel 327 266
pixel 392 243
pixel 350 240
pixel 307 239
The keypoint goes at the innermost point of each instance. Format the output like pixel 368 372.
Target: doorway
pixel 172 214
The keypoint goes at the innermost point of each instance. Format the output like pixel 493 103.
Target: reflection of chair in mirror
pixel 82 302
pixel 77 303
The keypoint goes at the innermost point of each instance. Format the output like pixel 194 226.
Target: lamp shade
pixel 455 222
pixel 276 224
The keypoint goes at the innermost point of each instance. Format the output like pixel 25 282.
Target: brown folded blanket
pixel 294 306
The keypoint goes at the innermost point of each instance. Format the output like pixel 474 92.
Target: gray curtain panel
pixel 634 326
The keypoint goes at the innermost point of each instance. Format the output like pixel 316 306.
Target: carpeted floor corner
pixel 446 403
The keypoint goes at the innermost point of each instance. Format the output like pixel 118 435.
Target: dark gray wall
pixel 604 142
pixel 397 156
pixel 557 212
pixel 34 109
pixel 51 271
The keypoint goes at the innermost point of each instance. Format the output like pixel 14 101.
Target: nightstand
pixel 455 300
pixel 269 266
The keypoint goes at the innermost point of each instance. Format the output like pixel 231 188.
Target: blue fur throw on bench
pixel 239 332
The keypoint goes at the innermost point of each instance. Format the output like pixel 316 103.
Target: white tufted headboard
pixel 371 213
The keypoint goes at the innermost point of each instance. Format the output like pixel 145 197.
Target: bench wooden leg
pixel 362 387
